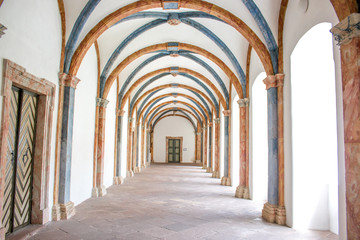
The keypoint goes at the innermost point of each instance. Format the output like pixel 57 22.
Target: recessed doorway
pixel 174 149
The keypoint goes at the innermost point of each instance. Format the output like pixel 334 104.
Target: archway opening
pixel 315 169
pixel 259 144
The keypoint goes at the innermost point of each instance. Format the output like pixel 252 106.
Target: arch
pixel 172 109
pixel 174 115
pixel 138 6
pixel 197 103
pixel 182 70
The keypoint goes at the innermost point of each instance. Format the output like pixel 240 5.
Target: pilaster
pixel 226 179
pixel 216 172
pixel 347 34
pixel 118 179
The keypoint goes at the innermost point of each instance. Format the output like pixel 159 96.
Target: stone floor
pixel 171 202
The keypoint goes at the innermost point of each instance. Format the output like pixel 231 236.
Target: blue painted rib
pixel 154 113
pixel 122 45
pixel 222 46
pixel 190 119
pixel 131 76
pixel 204 102
pixel 212 71
pixel 265 30
pixel 145 100
pixel 152 105
pixel 75 32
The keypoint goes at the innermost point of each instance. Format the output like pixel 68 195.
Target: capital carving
pixel 68 80
pixel 120 112
pixel 270 81
pixel 217 120
pixel 131 120
pixel 279 79
pixel 347 29
pixel 173 19
pixel 227 113
pixel 210 124
pixel 101 102
pixel 244 102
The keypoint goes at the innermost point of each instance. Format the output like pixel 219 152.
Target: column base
pixel 204 167
pixel 55 213
pixel 216 174
pixel 148 164
pixel 246 194
pixel 137 170
pixel 99 191
pixel 118 180
pixel 280 216
pixel 208 170
pixel 225 181
pixel 129 173
pixel 239 193
pixel 269 212
pixel 143 166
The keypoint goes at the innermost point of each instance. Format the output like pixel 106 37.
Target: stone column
pixel 129 172
pixel 99 190
pixel 151 145
pixel 143 165
pixel 136 148
pixel 216 173
pixel 205 134
pixel 242 183
pixel 280 211
pixel 269 210
pixel 347 34
pixel 65 208
pixel 118 179
pixel 226 179
pixel 148 147
pixel 209 165
pixel 198 144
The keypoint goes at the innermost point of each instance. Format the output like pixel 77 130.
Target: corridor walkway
pixel 170 202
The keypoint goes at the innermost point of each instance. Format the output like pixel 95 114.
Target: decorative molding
pixel 2 29
pixel 173 19
pixel 100 102
pixel 68 80
pixel 270 81
pixel 120 112
pixel 347 29
pixel 244 102
pixel 170 4
pixel 280 79
pixel 174 71
pixel 227 113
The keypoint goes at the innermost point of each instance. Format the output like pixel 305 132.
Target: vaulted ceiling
pixel 185 54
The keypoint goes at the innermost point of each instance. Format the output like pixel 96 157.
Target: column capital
pixel 243 102
pixel 279 79
pixel 131 120
pixel 210 124
pixel 347 29
pixel 101 102
pixel 68 80
pixel 120 112
pixel 198 133
pixel 227 113
pixel 217 120
pixel 270 81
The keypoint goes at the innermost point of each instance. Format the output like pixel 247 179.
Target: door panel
pixel 174 150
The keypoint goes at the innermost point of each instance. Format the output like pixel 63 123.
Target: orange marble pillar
pixel 142 155
pixel 136 133
pixel 99 190
pixel 205 150
pixel 246 194
pixel 129 172
pixel 209 166
pixel 216 172
pixel 348 38
pixel 226 179
pixel 242 183
pixel 280 211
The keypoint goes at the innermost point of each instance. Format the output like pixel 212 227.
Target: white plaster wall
pixel 174 127
pixel 124 132
pixel 84 129
pixel 35 45
pixel 110 137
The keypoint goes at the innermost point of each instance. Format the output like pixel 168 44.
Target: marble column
pixel 226 179
pixel 148 158
pixel 347 34
pixel 65 208
pixel 280 211
pixel 118 179
pixel 197 144
pixel 204 157
pixel 100 190
pixel 143 165
pixel 209 165
pixel 129 171
pixel 216 172
pixel 242 183
pixel 151 145
pixel 136 148
pixel 269 210
pixel 246 194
